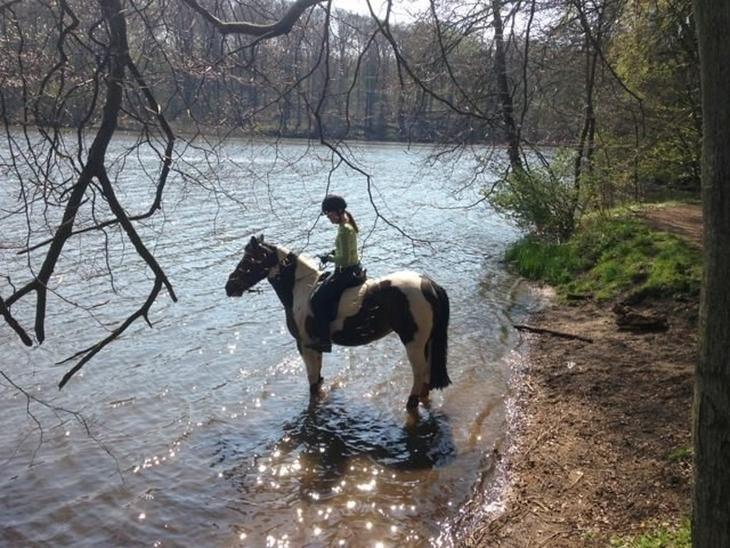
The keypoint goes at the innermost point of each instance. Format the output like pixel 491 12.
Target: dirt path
pixel 603 448
pixel 684 220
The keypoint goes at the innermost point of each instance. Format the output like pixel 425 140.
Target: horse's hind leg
pixel 417 356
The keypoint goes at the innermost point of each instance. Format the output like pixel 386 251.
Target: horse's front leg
pixel 313 363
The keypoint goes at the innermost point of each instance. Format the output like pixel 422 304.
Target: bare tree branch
pixel 90 352
pixel 9 4
pixel 13 323
pixel 57 410
pixel 282 26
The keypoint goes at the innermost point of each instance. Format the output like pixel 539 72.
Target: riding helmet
pixel 333 202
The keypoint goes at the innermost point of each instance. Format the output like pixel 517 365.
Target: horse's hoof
pixel 424 395
pixel 315 388
pixel 412 402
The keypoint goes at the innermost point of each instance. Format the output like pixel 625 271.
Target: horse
pixel 410 304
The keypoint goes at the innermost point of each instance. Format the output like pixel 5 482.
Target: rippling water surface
pixel 201 429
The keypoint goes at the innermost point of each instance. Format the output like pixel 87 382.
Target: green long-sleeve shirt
pixel 345 253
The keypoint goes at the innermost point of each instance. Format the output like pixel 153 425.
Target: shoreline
pixel 602 446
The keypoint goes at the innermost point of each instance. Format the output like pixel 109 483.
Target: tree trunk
pixel 505 96
pixel 711 520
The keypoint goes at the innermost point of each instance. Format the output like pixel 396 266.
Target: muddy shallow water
pixel 201 429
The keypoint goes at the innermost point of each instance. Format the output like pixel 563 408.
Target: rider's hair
pixel 351 220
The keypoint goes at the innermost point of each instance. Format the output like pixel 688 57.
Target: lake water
pixel 201 429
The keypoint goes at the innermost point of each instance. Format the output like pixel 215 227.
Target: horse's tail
pixel 437 345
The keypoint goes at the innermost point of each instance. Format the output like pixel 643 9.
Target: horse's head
pixel 258 259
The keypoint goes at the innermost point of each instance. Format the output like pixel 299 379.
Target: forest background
pixel 597 102
pixel 616 82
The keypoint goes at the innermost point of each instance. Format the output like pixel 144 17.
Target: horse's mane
pixel 306 259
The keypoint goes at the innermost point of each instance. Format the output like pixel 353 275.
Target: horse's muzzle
pixel 233 291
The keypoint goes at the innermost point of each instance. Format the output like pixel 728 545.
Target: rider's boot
pixel 322 342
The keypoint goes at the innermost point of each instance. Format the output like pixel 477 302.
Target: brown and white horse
pixel 412 305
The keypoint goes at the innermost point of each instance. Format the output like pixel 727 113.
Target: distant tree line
pixel 616 80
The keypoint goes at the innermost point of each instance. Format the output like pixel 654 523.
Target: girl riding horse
pixel 348 272
pixel 410 304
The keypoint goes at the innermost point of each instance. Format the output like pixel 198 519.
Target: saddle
pixel 328 300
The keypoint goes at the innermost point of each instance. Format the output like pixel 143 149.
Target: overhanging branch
pixel 282 26
pixel 90 352
pixel 13 323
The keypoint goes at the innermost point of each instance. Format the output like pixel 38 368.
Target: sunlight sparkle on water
pixel 369 486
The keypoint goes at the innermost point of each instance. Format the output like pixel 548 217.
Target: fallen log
pixel 543 330
pixel 628 319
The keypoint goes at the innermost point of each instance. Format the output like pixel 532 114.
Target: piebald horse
pixel 412 305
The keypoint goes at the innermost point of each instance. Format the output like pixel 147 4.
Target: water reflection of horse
pixel 412 305
pixel 326 438
pixel 355 459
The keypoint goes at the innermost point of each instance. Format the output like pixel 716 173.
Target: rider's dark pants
pixel 327 297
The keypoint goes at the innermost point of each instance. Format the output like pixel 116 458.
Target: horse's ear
pixel 253 242
pixel 261 239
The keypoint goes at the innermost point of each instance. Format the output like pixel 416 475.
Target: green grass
pixel 662 537
pixel 608 257
pixel 680 454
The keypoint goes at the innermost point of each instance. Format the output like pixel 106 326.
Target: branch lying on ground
pixel 543 330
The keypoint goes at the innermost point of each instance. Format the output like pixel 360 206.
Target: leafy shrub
pixel 543 200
